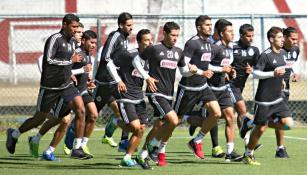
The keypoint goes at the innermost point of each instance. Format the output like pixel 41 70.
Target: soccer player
pixel 130 97
pixel 222 57
pixel 106 87
pixel 194 89
pixel 163 59
pixel 245 56
pixel 269 102
pixel 56 83
pixel 292 50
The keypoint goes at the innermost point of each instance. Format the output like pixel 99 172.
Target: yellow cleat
pixel 250 160
pixel 109 140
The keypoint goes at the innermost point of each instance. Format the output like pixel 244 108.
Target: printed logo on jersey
pixel 136 73
pixel 169 64
pixel 202 48
pixel 176 55
pixel 98 98
pixel 225 62
pixel 206 57
pixel 78 50
pixel 161 53
pixel 69 47
pixel 169 54
pixel 63 45
pixel 274 61
pixel 294 55
pixel 251 52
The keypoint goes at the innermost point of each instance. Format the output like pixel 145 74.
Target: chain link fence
pixel 23 39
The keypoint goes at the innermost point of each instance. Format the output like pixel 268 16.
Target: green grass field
pixel 180 158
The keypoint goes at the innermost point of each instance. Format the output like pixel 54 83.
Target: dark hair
pixel 69 18
pixel 89 34
pixel 81 25
pixel 123 17
pixel 170 26
pixel 201 19
pixel 245 28
pixel 221 25
pixel 273 32
pixel 140 34
pixel 287 32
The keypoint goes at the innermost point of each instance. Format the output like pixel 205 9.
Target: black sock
pixel 125 135
pixel 214 136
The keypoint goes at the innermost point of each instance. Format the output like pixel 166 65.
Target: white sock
pixel 36 138
pixel 199 137
pixel 84 141
pixel 127 156
pixel 143 153
pixel 154 142
pixel 280 147
pixel 230 146
pixel 246 138
pixel 185 118
pixel 248 152
pixel 16 133
pixel 162 147
pixel 78 142
pixel 50 150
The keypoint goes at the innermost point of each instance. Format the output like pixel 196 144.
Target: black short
pixel 87 97
pixel 48 99
pixel 263 113
pixel 70 93
pixel 161 105
pixel 235 93
pixel 104 94
pixel 130 112
pixel 186 99
pixel 223 98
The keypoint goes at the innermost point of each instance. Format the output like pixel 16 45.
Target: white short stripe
pixel 160 109
pixel 39 99
pixel 58 108
pixel 178 100
pixel 123 112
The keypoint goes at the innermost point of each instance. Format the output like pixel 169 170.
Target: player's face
pixel 172 37
pixel 206 28
pixel 71 28
pixel 146 40
pixel 78 34
pixel 278 41
pixel 90 44
pixel 228 34
pixel 292 40
pixel 127 27
pixel 247 39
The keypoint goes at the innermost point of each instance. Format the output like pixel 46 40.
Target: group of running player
pixel 214 71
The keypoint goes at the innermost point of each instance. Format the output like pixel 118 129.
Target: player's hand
pixel 233 73
pixel 208 73
pixel 87 68
pixel 91 85
pixel 192 68
pixel 76 58
pixel 151 83
pixel 227 69
pixel 121 87
pixel 74 79
pixel 295 77
pixel 248 69
pixel 279 71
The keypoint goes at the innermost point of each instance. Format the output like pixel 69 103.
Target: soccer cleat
pixel 192 130
pixel 33 147
pixel 218 152
pixel 250 160
pixel 87 151
pixel 109 140
pixel 196 148
pixel 153 153
pixel 281 153
pixel 123 145
pixel 10 141
pixel 49 157
pixel 110 127
pixel 244 127
pixel 127 162
pixel 66 150
pixel 79 154
pixel 161 159
pixel 144 163
pixel 233 157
